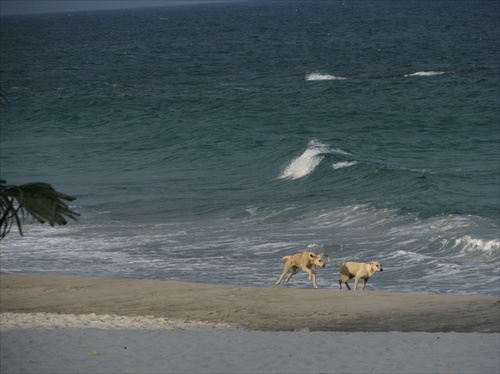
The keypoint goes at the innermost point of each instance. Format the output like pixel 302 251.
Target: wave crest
pixel 306 162
pixel 469 244
pixel 309 160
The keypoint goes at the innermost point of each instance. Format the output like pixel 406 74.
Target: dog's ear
pixel 321 254
pixel 312 255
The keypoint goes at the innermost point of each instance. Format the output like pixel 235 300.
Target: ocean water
pixel 204 142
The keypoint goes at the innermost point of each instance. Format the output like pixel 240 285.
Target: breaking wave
pixel 309 160
pixel 469 244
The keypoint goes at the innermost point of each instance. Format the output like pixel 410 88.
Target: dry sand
pixel 66 324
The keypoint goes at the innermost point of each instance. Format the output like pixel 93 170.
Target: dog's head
pixel 317 259
pixel 377 266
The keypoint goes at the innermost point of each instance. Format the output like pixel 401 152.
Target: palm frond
pixel 38 200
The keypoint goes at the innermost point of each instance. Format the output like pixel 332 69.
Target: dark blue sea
pixel 203 142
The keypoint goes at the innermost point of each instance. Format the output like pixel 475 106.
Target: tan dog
pixel 306 261
pixel 357 270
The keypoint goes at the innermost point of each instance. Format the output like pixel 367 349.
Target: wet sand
pixel 253 308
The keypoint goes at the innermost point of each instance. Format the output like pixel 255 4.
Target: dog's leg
pixel 344 278
pixel 287 267
pixel 281 278
pixel 308 271
pixel 312 274
pixel 356 280
pixel 314 281
pixel 365 280
pixel 313 270
pixel 294 271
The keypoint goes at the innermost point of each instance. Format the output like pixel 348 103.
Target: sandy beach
pixel 70 324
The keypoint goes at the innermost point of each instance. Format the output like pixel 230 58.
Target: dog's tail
pixel 285 257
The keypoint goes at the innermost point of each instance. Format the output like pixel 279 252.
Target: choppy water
pixel 204 142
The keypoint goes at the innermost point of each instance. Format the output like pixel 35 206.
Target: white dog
pixel 306 261
pixel 357 270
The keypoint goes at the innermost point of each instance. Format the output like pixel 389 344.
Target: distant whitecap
pixel 424 73
pixel 322 77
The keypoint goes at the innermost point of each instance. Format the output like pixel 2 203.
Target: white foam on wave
pixel 470 245
pixel 303 165
pixel 425 73
pixel 308 161
pixel 409 257
pixel 322 77
pixel 344 164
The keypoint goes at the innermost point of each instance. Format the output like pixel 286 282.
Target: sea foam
pixel 344 164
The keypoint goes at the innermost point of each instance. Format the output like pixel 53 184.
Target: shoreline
pixel 249 308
